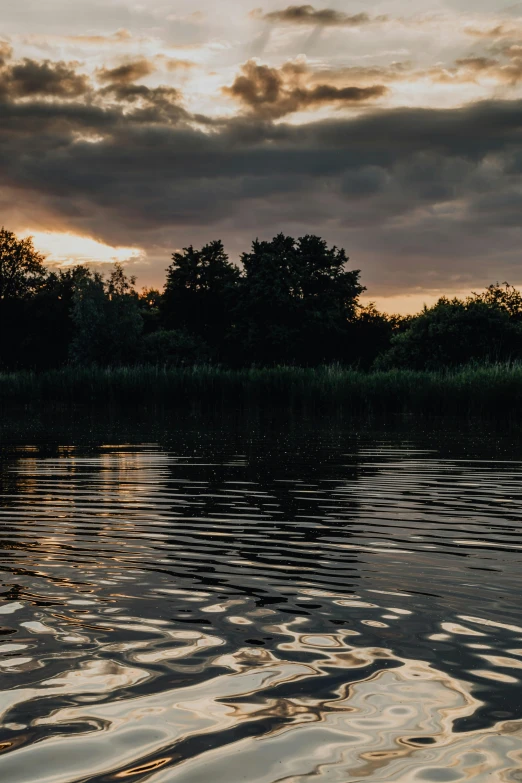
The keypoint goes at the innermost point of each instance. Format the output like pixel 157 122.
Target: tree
pixel 48 318
pixel 150 301
pixel 107 320
pixel 505 297
pixel 89 317
pixel 199 293
pixel 371 333
pixel 297 299
pixel 22 269
pixel 453 333
pixel 22 274
pixel 172 348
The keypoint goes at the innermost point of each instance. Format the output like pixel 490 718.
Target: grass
pixel 492 390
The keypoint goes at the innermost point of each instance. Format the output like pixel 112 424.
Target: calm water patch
pixel 197 600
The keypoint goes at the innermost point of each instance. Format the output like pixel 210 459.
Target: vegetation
pixel 471 390
pixel 287 323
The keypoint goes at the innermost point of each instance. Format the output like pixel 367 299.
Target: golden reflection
pixel 489 674
pixel 144 769
pixel 385 724
pixel 492 624
pixel 133 687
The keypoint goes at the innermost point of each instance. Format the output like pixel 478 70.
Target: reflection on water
pixel 203 601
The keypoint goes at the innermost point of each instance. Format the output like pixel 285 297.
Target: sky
pixel 130 130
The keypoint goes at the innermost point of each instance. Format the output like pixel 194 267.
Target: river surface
pixel 196 599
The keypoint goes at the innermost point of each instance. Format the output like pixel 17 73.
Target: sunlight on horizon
pixel 410 304
pixel 66 249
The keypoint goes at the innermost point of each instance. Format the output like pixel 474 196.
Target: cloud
pixel 151 104
pixel 127 73
pixel 121 36
pixel 30 78
pixel 6 52
pixel 272 92
pixel 173 64
pixel 472 69
pixel 413 194
pixel 497 31
pixel 506 69
pixel 308 15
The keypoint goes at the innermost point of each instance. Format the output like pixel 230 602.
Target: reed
pixel 491 389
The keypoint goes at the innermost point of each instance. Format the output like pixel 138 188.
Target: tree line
pixel 292 301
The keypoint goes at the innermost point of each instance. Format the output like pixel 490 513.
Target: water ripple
pixel 227 607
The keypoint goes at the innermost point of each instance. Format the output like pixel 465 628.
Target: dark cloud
pixel 152 104
pixel 30 78
pixel 127 73
pixel 417 196
pixel 275 92
pixel 308 15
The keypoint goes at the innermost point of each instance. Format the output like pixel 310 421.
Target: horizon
pixel 101 257
pixel 409 303
pixel 131 131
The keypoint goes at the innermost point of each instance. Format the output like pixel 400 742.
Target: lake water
pixel 191 599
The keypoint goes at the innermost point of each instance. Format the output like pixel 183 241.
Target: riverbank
pixel 489 390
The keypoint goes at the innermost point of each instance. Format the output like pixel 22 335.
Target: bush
pixel 454 333
pixel 173 348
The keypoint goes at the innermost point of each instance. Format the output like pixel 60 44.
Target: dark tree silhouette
pixel 199 294
pixel 22 274
pixel 453 333
pixel 296 301
pixel 293 301
pixel 505 297
pixel 107 320
pixel 22 269
pixel 49 325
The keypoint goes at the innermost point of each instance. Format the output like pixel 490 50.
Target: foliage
pixel 296 300
pixel 486 391
pixel 371 333
pixel 453 333
pixel 504 297
pixel 172 348
pixel 199 293
pixel 49 326
pixel 291 302
pixel 21 267
pixel 107 320
pixel 150 301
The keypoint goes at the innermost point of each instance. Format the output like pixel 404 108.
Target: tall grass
pixel 492 389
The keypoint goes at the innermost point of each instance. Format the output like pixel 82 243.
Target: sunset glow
pixel 68 249
pixel 132 130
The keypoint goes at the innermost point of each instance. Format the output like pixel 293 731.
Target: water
pixel 189 601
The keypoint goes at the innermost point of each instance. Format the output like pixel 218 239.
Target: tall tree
pixel 297 300
pixel 199 293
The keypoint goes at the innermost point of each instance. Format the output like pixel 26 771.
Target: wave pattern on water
pixel 215 611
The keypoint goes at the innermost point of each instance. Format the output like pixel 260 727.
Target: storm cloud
pixel 427 181
pixel 308 15
pixel 272 92
pixel 127 73
pixel 30 78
